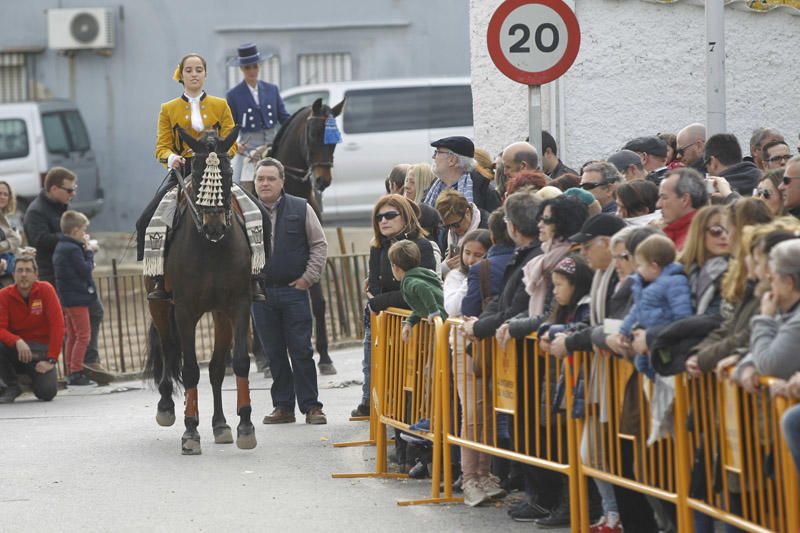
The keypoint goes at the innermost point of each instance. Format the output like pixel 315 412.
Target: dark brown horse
pixel 208 270
pixel 308 163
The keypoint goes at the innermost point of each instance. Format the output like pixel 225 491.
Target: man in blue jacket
pixel 256 106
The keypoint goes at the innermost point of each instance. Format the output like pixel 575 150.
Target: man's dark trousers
pixel 45 386
pixel 284 324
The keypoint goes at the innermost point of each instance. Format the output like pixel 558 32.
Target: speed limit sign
pixel 533 41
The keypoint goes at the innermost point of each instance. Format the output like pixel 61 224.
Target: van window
pixel 13 138
pixel 296 101
pixel 55 135
pixel 77 131
pixel 375 110
pixel 451 106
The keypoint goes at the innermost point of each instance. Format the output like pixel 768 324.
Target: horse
pixel 307 161
pixel 208 270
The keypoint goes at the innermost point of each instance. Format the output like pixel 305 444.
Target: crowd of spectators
pixel 675 242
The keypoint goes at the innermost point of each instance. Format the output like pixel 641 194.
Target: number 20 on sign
pixel 533 41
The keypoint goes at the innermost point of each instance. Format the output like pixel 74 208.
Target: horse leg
pixel 190 441
pixel 321 330
pixel 163 351
pixel 216 373
pixel 245 431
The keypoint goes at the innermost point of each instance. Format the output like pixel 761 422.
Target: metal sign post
pixel 534 42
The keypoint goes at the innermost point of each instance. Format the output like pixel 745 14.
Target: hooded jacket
pixel 743 177
pixel 664 300
pixel 422 291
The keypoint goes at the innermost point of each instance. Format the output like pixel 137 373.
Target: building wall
pixel 640 71
pixel 119 95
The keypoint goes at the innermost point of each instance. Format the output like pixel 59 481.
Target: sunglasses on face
pixel 69 190
pixel 788 179
pixel 717 231
pixel 590 186
pixel 389 215
pixel 548 220
pixel 766 194
pixel 457 223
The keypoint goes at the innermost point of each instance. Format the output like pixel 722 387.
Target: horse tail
pixel 160 366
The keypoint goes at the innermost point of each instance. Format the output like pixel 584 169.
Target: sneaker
pixel 473 493
pixel 559 517
pixel 98 373
pixel 315 416
pixel 491 486
pixel 419 470
pixel 423 425
pixel 79 379
pixel 361 410
pixel 604 525
pixel 527 512
pixel 10 394
pixel 280 415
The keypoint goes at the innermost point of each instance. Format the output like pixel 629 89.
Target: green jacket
pixel 422 291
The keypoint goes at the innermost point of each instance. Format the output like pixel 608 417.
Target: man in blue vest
pixel 256 106
pixel 283 322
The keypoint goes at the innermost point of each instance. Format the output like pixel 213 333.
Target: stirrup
pixel 158 292
pixel 256 290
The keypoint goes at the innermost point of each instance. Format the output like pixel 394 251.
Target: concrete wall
pixel 640 71
pixel 120 95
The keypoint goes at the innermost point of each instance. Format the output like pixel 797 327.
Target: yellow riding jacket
pixel 178 112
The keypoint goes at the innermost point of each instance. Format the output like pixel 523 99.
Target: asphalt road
pixel 95 460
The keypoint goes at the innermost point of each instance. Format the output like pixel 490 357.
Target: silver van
pixel 385 122
pixel 36 136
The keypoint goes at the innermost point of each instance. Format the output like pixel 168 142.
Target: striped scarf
pixel 463 185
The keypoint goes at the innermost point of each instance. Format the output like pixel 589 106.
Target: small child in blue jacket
pixel 73 262
pixel 661 293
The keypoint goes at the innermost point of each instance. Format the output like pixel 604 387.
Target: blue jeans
pixel 283 324
pixel 791 432
pixel 367 361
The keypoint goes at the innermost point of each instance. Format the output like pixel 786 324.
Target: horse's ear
pixel 228 141
pixel 196 146
pixel 316 107
pixel 338 108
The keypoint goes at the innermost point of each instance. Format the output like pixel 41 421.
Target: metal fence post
pixel 115 281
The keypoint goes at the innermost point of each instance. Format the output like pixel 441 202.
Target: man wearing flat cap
pixel 629 165
pixel 453 164
pixel 653 152
pixel 256 106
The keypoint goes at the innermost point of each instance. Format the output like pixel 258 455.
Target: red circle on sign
pixel 545 76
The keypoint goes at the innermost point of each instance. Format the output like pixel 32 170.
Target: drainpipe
pixel 715 67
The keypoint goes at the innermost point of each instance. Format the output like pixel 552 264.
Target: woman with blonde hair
pixel 705 258
pixel 10 239
pixel 419 178
pixel 393 220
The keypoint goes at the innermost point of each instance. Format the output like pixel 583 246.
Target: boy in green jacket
pixel 421 287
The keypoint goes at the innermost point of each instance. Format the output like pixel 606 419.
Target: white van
pixel 385 122
pixel 36 136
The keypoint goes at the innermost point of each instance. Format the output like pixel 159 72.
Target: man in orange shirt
pixel 31 332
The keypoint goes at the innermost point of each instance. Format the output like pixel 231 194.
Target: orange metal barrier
pixel 521 386
pixel 614 448
pixel 742 472
pixel 405 389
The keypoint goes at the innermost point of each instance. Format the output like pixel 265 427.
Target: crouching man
pixel 31 333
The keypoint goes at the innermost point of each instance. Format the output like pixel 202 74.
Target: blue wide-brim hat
pixel 248 54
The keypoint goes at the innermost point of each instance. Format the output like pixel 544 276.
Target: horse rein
pixel 192 207
pixel 305 174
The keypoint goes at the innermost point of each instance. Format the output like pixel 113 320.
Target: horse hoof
pixel 190 446
pixel 223 435
pixel 165 418
pixel 246 441
pixel 327 369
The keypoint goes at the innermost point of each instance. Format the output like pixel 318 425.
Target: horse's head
pixel 320 154
pixel 212 178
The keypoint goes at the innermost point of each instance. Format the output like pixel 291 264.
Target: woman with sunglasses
pixel 767 190
pixel 459 217
pixel 393 219
pixel 705 258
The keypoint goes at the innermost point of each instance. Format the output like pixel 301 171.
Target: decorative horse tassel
pixel 210 193
pixel 332 135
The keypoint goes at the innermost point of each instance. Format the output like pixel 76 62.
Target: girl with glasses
pixel 767 191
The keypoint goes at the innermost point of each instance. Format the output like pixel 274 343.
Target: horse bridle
pixel 193 211
pixel 305 174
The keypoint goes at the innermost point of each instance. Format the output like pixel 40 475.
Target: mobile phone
pixel 711 186
pixel 454 251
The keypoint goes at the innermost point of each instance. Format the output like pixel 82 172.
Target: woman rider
pixel 195 112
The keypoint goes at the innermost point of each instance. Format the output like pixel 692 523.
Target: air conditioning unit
pixel 82 28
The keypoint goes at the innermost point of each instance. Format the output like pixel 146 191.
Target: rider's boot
pixel 158 292
pixel 257 291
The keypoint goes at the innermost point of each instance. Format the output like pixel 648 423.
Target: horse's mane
pixel 284 127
